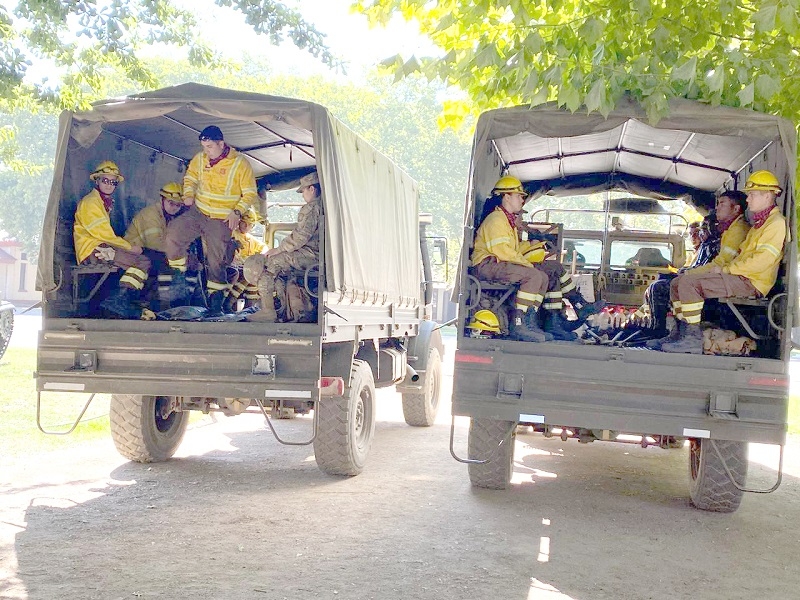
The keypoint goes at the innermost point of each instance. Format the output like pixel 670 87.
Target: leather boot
pixel 675 334
pixel 266 314
pixel 554 325
pixel 584 308
pixel 120 304
pixel 215 300
pixel 525 327
pixel 178 289
pixel 690 342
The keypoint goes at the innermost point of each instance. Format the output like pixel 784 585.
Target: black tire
pixel 710 487
pixel 139 431
pixel 420 408
pixel 493 441
pixel 346 425
pixel 6 329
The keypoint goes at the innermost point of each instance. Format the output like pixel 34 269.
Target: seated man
pixel 752 272
pixel 647 257
pixel 499 255
pixel 96 241
pixel 731 226
pixel 148 229
pixel 247 245
pixel 299 251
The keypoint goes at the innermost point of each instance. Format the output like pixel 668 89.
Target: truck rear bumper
pixel 627 396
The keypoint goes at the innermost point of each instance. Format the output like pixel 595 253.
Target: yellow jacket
pixel 93 227
pixel 249 246
pixel 148 228
pixel 729 245
pixel 761 252
pixel 496 237
pixel 228 185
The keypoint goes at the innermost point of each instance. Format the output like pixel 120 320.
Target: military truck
pixel 713 404
pixel 6 325
pixel 370 327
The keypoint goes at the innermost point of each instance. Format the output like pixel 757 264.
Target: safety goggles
pixel 108 181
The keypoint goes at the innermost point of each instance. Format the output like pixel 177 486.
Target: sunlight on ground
pixel 543 591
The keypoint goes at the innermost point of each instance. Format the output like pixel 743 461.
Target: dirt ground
pixel 236 515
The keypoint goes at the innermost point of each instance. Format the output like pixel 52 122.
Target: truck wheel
pixel 346 424
pixel 710 487
pixel 492 440
pixel 139 430
pixel 6 329
pixel 419 409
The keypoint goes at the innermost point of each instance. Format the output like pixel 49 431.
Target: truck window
pixel 629 253
pixel 589 253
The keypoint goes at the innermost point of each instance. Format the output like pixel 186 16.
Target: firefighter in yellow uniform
pixel 752 272
pixel 218 188
pixel 248 245
pixel 498 256
pixel 149 230
pixel 96 241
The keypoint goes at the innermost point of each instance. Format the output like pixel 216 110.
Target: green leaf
pixel 591 31
pixel 764 19
pixel 746 95
pixel 568 96
pixel 715 79
pixel 767 86
pixel 789 20
pixel 596 96
pixel 541 96
pixel 686 72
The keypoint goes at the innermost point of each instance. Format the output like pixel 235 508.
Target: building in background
pixel 17 274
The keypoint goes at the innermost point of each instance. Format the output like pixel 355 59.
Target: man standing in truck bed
pixel 751 274
pixel 218 188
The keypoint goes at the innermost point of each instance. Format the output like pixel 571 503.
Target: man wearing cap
pixel 96 241
pixel 218 188
pixel 752 273
pixel 299 250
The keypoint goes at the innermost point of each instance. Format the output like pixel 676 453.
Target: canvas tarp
pixel 370 204
pixel 693 153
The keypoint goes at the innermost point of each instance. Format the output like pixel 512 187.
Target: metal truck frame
pixel 599 392
pixel 372 328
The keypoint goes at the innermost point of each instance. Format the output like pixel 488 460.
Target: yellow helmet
pixel 535 254
pixel 106 167
pixel 249 216
pixel 172 191
pixel 508 185
pixel 486 321
pixel 762 180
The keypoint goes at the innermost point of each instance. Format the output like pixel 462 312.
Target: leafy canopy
pixel 590 52
pixel 79 41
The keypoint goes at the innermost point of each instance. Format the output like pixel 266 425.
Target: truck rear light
pixel 769 381
pixel 481 359
pixel 331 386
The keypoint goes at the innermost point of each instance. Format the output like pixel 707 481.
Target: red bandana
pixel 224 154
pixel 512 218
pixel 722 226
pixel 759 218
pixel 108 201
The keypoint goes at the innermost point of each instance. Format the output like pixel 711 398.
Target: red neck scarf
pixel 225 152
pixel 759 218
pixel 108 201
pixel 512 218
pixel 722 226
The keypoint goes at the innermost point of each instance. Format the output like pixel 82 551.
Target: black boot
pixel 672 336
pixel 525 327
pixel 215 300
pixel 178 289
pixel 121 304
pixel 583 308
pixel 554 325
pixel 689 342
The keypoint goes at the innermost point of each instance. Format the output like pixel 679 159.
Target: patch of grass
pixel 59 410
